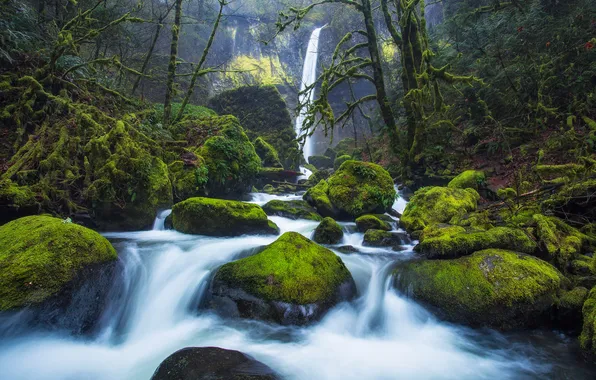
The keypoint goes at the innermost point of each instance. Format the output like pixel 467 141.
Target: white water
pixel 309 76
pixel 379 335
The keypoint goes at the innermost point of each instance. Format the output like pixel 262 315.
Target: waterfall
pixel 309 75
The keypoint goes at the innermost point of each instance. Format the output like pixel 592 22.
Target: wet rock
pixel 372 222
pixel 212 363
pixel 569 309
pixel 328 232
pixel 469 179
pixel 296 209
pixel 380 238
pixel 320 162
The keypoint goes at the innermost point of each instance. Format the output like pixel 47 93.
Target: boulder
pixel 340 160
pixel 328 232
pixel 380 238
pixel 356 189
pixel 569 309
pixel 212 363
pixel 320 162
pixel 431 205
pixel 493 288
pixel 188 177
pixel 317 176
pixel 16 201
pixel 330 152
pixel 587 339
pixel 469 179
pixel 296 209
pixel 292 281
pixel 445 241
pixel 267 153
pixel 45 263
pixel 372 222
pixel 217 217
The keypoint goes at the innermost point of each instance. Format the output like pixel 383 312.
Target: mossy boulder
pixel 317 176
pixel 292 281
pixel 320 162
pixel 381 238
pixel 212 363
pixel 569 309
pixel 264 114
pixel 267 153
pixel 572 201
pixel 188 177
pixel 16 201
pixel 45 262
pixel 356 189
pixel 587 339
pixel 469 179
pixel 340 160
pixel 431 205
pixel 127 185
pixel 372 222
pixel 328 232
pixel 447 241
pixel 493 288
pixel 291 209
pixel 345 147
pixel 217 217
pixel 231 160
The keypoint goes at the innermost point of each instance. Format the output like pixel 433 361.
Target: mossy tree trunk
pixel 167 114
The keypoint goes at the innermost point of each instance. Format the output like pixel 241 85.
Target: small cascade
pixel 160 220
pixel 309 76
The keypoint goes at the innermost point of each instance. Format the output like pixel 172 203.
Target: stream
pixel 380 335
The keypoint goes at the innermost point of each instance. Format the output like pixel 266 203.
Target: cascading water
pixel 309 76
pixel 379 335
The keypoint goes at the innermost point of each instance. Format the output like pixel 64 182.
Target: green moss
pixel 293 269
pixel 345 147
pixel 320 162
pixel 587 339
pixel 317 176
pixel 561 242
pixel 328 232
pixel 371 222
pixel 360 188
pixel 291 209
pixel 431 205
pixel 317 197
pixel 267 153
pixel 440 241
pixel 16 201
pixel 41 255
pixel 188 179
pixel 566 171
pixel 468 179
pixel 216 217
pixel 496 288
pixel 381 238
pixel 340 160
pixel 573 299
pixel 477 220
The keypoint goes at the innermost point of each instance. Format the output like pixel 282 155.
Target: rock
pixel 291 210
pixel 317 176
pixel 347 249
pixel 469 179
pixel 217 217
pixel 372 222
pixel 264 114
pixel 212 363
pixel 380 238
pixel 188 177
pixel 233 165
pixel 16 201
pixel 569 309
pixel 587 339
pixel 127 184
pixel 431 205
pixel 292 281
pixel 328 232
pixel 340 160
pixel 45 262
pixel 493 288
pixel 356 189
pixel 267 153
pixel 445 241
pixel 345 147
pixel 330 152
pixel 583 266
pixel 320 162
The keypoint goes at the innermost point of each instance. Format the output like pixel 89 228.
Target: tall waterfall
pixel 309 75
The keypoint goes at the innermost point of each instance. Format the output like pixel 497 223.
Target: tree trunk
pixel 148 56
pixel 167 113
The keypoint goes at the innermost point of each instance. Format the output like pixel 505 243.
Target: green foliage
pixel 328 232
pixel 293 269
pixel 41 255
pixel 19 30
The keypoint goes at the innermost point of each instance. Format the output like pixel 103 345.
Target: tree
pixel 167 114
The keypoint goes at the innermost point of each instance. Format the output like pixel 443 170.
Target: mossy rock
pixel 431 205
pixel 212 363
pixel 447 241
pixel 267 153
pixel 587 339
pixel 582 266
pixel 356 189
pixel 188 178
pixel 292 210
pixel 16 201
pixel 372 222
pixel 41 256
pixel 381 238
pixel 340 160
pixel 469 179
pixel 264 114
pixel 345 147
pixel 331 153
pixel 493 288
pixel 127 185
pixel 317 176
pixel 320 162
pixel 292 281
pixel 217 217
pixel 233 165
pixel 569 309
pixel 328 232
pixel 572 201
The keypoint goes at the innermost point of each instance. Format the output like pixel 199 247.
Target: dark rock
pixel 321 162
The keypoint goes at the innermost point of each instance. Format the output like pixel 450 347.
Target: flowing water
pixel 309 76
pixel 379 335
